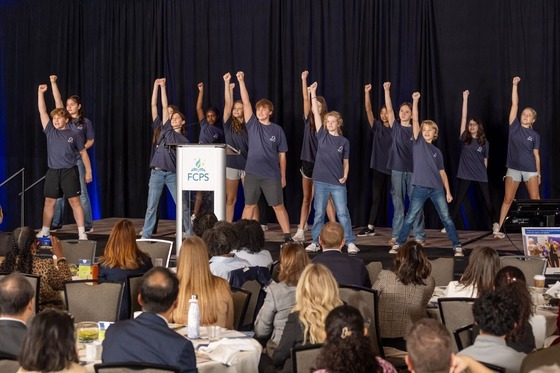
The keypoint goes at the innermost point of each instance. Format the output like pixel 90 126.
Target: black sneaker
pixel 366 232
pixel 288 240
pixel 54 228
pixel 89 229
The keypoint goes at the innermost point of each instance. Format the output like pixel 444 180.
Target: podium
pixel 200 167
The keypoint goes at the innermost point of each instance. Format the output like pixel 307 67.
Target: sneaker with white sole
pixel 264 227
pixel 458 251
pixel 367 231
pixel 420 241
pixel 353 249
pixel 443 230
pixel 394 249
pixel 82 236
pixel 313 248
pixel 299 236
pixel 499 235
pixel 42 234
pixel 393 241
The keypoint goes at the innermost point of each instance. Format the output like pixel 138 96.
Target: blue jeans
pixel 419 196
pixel 58 218
pixel 159 179
pixel 320 199
pixel 401 185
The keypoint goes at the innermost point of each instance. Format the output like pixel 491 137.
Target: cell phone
pixel 44 248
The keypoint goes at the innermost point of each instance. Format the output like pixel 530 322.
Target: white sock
pixel 81 230
pixel 46 231
pixel 370 226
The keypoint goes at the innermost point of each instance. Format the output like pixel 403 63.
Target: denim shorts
pixel 519 176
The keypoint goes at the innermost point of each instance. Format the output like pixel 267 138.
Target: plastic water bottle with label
pixel 193 321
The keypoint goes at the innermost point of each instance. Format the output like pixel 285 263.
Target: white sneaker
pixel 443 230
pixel 458 251
pixel 393 241
pixel 306 227
pixel 42 234
pixel 394 249
pixel 353 249
pixel 82 236
pixel 495 228
pixel 499 235
pixel 264 227
pixel 299 236
pixel 313 248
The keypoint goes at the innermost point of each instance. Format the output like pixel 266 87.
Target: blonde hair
pixel 193 271
pixel 432 124
pixel 316 295
pixel 121 250
pixel 338 118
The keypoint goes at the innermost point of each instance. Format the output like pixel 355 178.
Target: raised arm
pixel 315 106
pixel 305 93
pixel 154 99
pixel 464 112
pixel 164 102
pixel 199 111
pixel 42 106
pixel 369 111
pixel 247 108
pixel 56 93
pixel 514 100
pixel 228 96
pixel 415 122
pixel 389 103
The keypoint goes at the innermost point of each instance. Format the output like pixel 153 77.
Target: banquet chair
pixel 35 282
pixel 365 300
pixel 275 271
pixel 463 336
pixel 74 250
pixel 84 299
pixel 529 265
pixel 134 368
pixel 8 363
pixel 257 294
pixel 442 270
pixel 133 288
pixel 241 299
pixel 374 268
pixel 156 249
pixel 456 313
pixel 304 358
pixel 546 356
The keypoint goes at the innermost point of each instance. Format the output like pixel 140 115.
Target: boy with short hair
pixel 62 177
pixel 429 180
pixel 266 159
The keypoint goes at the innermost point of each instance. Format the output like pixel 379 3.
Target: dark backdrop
pixel 110 52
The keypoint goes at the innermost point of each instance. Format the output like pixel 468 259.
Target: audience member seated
pixel 430 351
pixel 478 277
pixel 251 243
pixel 214 294
pixel 316 295
pixel 50 345
pixel 495 313
pixel 123 258
pixel 346 342
pixel 54 272
pixel 221 241
pixel 404 293
pixel 203 222
pixel 16 307
pixel 512 280
pixel 347 270
pixel 148 338
pixel 281 296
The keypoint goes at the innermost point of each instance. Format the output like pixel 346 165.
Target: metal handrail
pixel 22 194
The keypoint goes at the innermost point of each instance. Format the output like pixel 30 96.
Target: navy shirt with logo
pixel 86 128
pixel 210 134
pixel 471 163
pixel 331 151
pixel 400 156
pixel 265 142
pixel 428 161
pixel 62 146
pixel 521 143
pixel 164 155
pixel 239 141
pixel 382 142
pixel 309 144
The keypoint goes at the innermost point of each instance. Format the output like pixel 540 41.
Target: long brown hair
pixel 411 264
pixel 293 260
pixel 484 263
pixel 238 126
pixel 121 250
pixel 193 271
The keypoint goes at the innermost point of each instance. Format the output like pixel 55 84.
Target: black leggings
pixel 380 182
pixel 462 191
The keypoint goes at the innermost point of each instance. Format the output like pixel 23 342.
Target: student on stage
pixel 236 137
pixel 308 154
pixel 473 163
pixel 62 178
pixel 168 130
pixel 266 159
pixel 523 159
pixel 380 148
pixel 429 180
pixel 400 164
pixel 75 109
pixel 330 174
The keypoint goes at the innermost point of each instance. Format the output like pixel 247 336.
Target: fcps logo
pixel 198 172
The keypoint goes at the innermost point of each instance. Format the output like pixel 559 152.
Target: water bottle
pixel 193 322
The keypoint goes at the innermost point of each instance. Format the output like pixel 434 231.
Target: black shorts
pixel 307 169
pixel 62 182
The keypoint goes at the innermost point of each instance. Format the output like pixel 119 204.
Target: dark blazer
pixel 346 270
pixel 148 339
pixel 11 336
pixel 291 337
